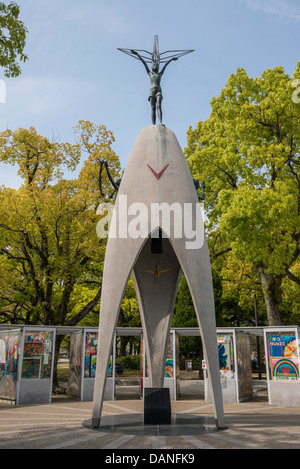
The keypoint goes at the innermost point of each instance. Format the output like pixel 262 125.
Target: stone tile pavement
pixel 59 425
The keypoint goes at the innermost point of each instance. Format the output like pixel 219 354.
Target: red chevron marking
pixel 158 175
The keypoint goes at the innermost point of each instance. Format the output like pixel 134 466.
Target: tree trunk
pixel 272 291
pixel 57 389
pixel 123 345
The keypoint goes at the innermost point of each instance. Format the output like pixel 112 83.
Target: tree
pixel 12 39
pixel 129 315
pixel 248 154
pixel 50 254
pixel 239 280
pixel 184 312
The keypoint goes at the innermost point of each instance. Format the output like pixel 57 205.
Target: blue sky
pixel 75 71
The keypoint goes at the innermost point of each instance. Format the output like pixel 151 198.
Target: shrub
pixel 130 362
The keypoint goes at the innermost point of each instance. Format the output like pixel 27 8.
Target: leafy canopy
pixel 51 258
pixel 12 39
pixel 248 153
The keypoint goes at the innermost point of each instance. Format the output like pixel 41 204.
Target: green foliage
pixel 129 362
pixel 248 154
pixel 51 259
pixel 12 39
pixel 129 312
pixel 184 314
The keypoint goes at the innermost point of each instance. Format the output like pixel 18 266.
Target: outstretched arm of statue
pixel 165 66
pixel 134 52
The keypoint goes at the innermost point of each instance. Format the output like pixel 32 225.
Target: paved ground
pixel 251 425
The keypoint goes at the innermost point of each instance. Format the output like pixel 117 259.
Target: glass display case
pixel 75 365
pixel 90 361
pixel 36 365
pixel 37 355
pixel 9 359
pixel 226 355
pixel 282 354
pixel 235 366
pixel 83 362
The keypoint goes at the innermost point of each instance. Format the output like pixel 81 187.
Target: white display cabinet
pixel 83 360
pixel 35 367
pixel 235 366
pixel 10 340
pixel 282 365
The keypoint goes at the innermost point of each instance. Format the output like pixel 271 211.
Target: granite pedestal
pixel 157 406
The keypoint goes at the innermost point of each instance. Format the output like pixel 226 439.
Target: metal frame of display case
pixel 79 385
pixel 35 390
pixel 11 383
pixel 234 389
pixel 87 383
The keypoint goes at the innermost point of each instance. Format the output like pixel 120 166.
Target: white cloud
pixel 280 8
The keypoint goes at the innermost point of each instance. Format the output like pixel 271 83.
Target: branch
pixel 86 309
pixel 222 252
pixel 10 229
pixel 296 253
pixel 229 178
pixel 292 277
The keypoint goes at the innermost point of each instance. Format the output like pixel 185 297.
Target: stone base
pixel 157 406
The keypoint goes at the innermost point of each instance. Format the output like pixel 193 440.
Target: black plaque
pixel 157 406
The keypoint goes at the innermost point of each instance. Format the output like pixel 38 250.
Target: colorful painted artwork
pixel 7 386
pixel 282 346
pixel 31 368
pixel 90 358
pixel 33 349
pixel 290 349
pixel 91 343
pixel 46 366
pixel 9 347
pixel 169 369
pixel 283 357
pixel 93 362
pixel 37 355
pixel 110 368
pixel 12 348
pixel 226 357
pixel 226 374
pixel 285 368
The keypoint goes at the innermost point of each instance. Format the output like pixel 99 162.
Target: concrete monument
pixel 156 251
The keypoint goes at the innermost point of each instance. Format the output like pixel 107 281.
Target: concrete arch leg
pixel 196 267
pixel 121 256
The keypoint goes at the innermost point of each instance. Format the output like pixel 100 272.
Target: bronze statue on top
pixel 155 94
pixel 155 58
